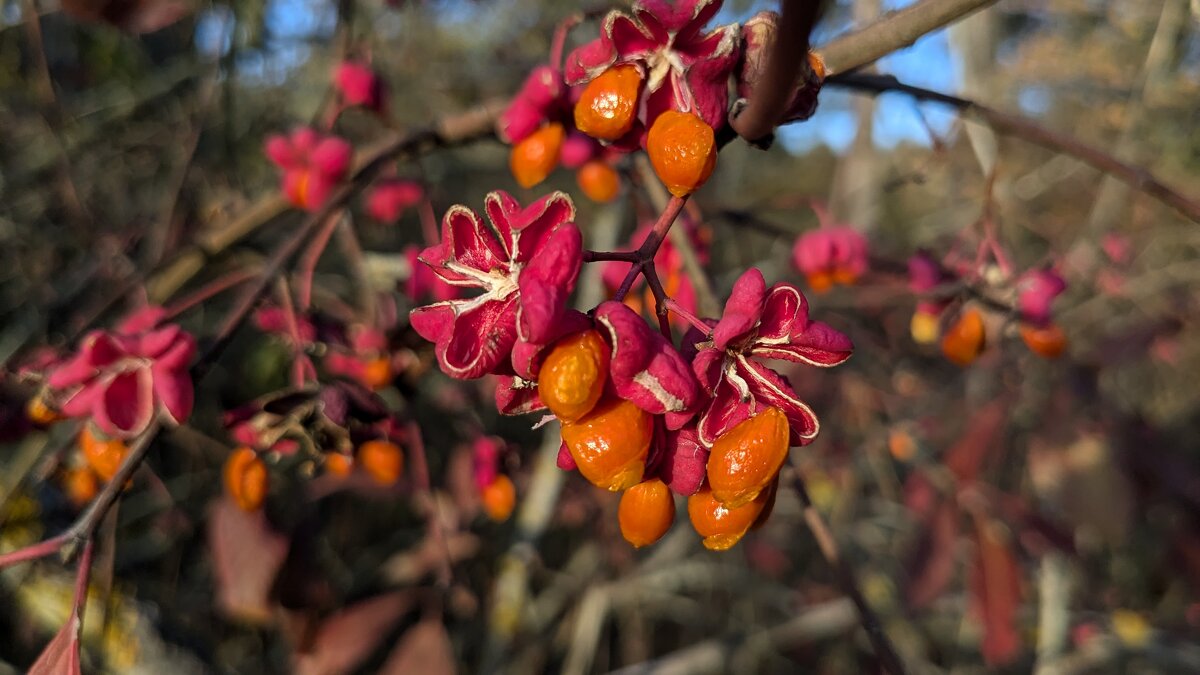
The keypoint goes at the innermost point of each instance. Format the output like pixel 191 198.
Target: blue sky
pixel 929 63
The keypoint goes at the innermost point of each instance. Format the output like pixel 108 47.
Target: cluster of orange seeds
pixel 966 338
pixel 682 146
pixel 609 440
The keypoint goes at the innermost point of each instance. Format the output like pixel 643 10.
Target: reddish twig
pixel 307 267
pixel 884 650
pixel 602 256
pixel 645 253
pixel 695 321
pixel 216 287
pixel 422 483
pixel 660 300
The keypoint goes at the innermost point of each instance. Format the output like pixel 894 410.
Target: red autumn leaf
pixel 931 566
pixel 247 555
pixel 346 639
pixel 996 592
pixel 981 438
pixel 425 648
pixel 61 655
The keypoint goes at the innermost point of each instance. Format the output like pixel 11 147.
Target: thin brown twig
pixel 884 650
pixel 1015 125
pixel 893 31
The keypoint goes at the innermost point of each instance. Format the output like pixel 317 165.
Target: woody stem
pixel 558 46
pixel 308 263
pixel 645 253
pixel 687 316
pixel 660 300
pixel 884 650
pixel 213 289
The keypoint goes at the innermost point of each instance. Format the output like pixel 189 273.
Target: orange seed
pixel 646 512
pixel 610 443
pixel 246 479
pixel 608 106
pixel 964 340
pixel 745 459
pixel 572 376
pixel 536 155
pixel 499 498
pixel 382 460
pixel 683 150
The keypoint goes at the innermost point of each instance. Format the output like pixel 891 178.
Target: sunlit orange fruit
pixel 40 413
pixel 599 181
pixel 610 444
pixel 608 106
pixel 573 374
pixel 1048 342
pixel 104 455
pixel 339 464
pixel 646 512
pixel 377 373
pixel 536 155
pixel 965 339
pixel 499 498
pixel 745 459
pixel 683 151
pixel 382 460
pixel 924 327
pixel 246 479
pixel 721 526
pixel 81 485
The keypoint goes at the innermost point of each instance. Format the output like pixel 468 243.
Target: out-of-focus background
pixel 1053 506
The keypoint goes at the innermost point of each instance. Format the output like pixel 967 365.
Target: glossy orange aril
pixel 1048 342
pixel 745 459
pixel 599 181
pixel 104 455
pixel 81 485
pixel 646 512
pixel 683 151
pixel 40 413
pixel 820 282
pixel 720 525
pixel 499 498
pixel 246 479
pixel 844 276
pixel 924 327
pixel 610 444
pixel 377 373
pixel 608 106
pixel 338 464
pixel 536 155
pixel 965 339
pixel 573 374
pixel 382 460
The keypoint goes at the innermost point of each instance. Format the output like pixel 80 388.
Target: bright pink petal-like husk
pixel 565 460
pixel 389 199
pixel 742 310
pixel 724 412
pixel 481 338
pixel 279 150
pixel 588 61
pixel 769 389
pixel 331 158
pixel 174 391
pixel 543 87
pixel 533 226
pixel 686 464
pixel 547 282
pixel 819 344
pixel 126 407
pixel 520 119
pixel 645 368
pixel 516 400
pixel 577 150
pixel 358 84
pixel 785 313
